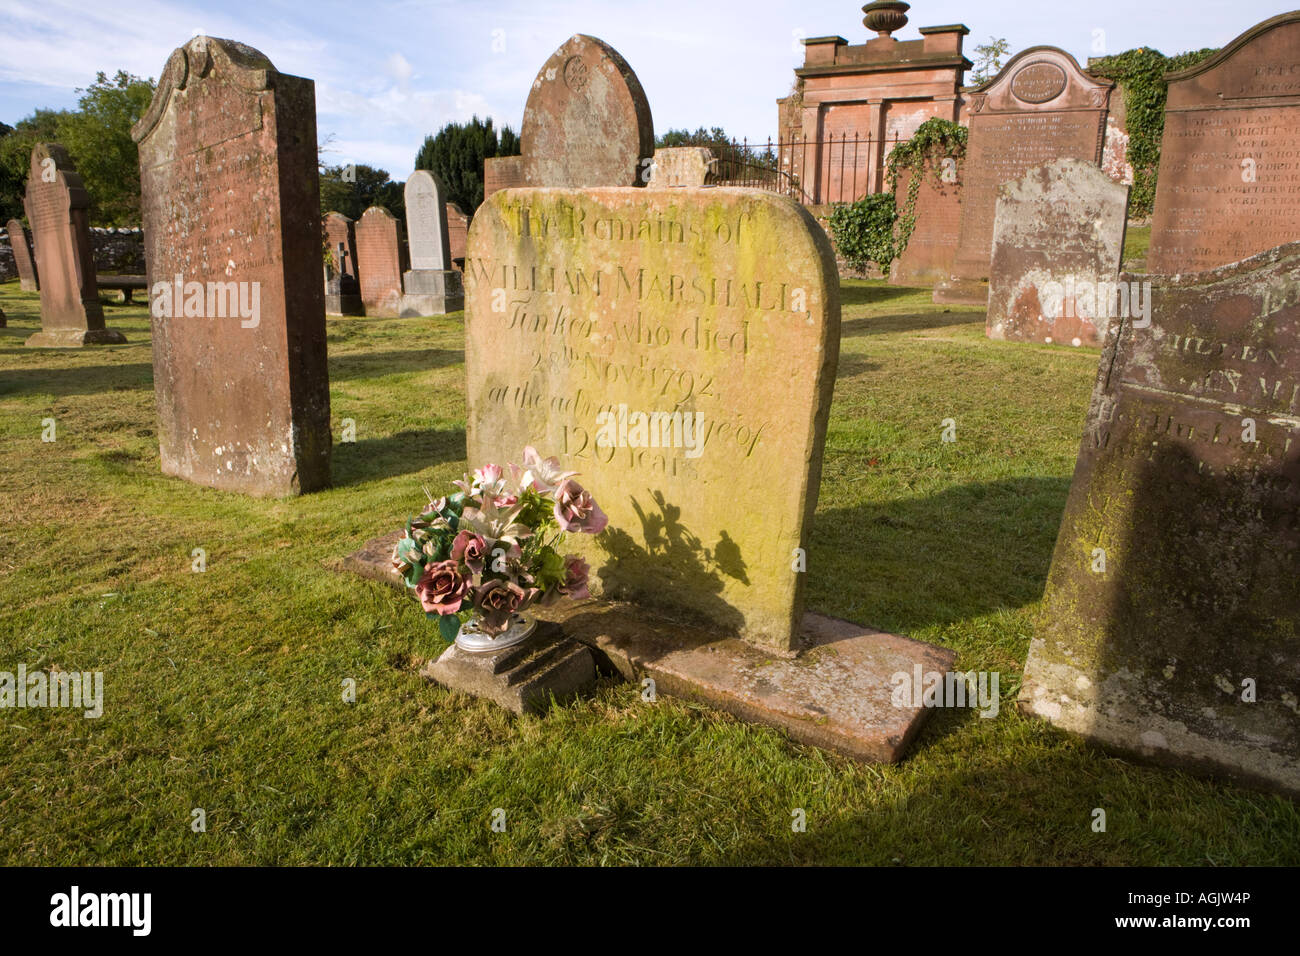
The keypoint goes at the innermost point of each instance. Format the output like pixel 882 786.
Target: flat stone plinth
pixel 74 338
pixel 523 679
pixel 836 693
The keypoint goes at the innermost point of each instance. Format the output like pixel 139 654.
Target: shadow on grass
pixel 354 365
pixel 908 322
pixel 866 295
pixel 77 380
pixel 374 459
pixel 920 562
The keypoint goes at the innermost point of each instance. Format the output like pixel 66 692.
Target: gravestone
pixel 1229 183
pixel 587 121
pixel 380 261
pixel 57 205
pixel 1041 107
pixel 682 166
pixel 342 290
pixel 20 242
pixel 431 286
pixel 718 305
pixel 1170 626
pixel 502 172
pixel 457 231
pixel 229 192
pixel 1058 242
pixel 678 349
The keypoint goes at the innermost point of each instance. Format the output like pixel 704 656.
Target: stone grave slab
pixel 1170 627
pixel 838 695
pixel 1058 242
pixel 232 225
pixel 1229 181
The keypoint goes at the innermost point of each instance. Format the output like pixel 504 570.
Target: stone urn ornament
pixel 885 17
pixel 482 556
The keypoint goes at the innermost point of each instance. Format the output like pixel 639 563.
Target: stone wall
pixel 117 252
pixel 8 270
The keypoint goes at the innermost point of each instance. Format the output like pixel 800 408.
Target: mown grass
pixel 223 689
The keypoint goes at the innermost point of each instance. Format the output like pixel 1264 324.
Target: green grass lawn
pixel 223 689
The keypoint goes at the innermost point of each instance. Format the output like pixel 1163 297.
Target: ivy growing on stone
pixel 873 229
pixel 1140 74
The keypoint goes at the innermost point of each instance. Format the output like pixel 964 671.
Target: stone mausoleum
pixel 878 91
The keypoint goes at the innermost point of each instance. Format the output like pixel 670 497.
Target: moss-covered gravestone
pixel 1171 623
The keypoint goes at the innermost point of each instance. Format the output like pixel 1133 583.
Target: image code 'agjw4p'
pixel 805 435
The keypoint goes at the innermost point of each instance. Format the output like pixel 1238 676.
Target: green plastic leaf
pixel 448 626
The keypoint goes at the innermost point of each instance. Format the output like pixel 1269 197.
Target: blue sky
pixel 389 72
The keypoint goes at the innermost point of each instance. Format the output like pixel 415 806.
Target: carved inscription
pixel 710 309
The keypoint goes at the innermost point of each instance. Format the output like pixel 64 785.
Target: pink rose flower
pixel 496 600
pixel 576 573
pixel 576 510
pixel 470 550
pixel 442 588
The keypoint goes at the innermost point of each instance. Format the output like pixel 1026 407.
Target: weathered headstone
pixel 1058 242
pixel 1229 183
pixel 681 166
pixel 342 290
pixel 380 261
pixel 431 286
pixel 457 232
pixel 57 205
pixel 709 316
pixel 502 172
pixel 230 197
pixel 1041 107
pixel 1170 626
pixel 587 120
pixel 20 242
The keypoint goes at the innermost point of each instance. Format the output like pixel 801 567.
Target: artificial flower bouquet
pixel 491 548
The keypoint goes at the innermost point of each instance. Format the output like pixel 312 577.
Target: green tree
pixel 97 135
pixel 456 154
pixel 989 60
pixel 716 136
pixel 354 188
pixel 16 157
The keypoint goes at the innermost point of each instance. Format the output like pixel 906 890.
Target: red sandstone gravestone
pixel 1041 107
pixel 1229 183
pixel 342 290
pixel 231 206
pixel 587 121
pixel 380 262
pixel 23 259
pixel 502 172
pixel 56 206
